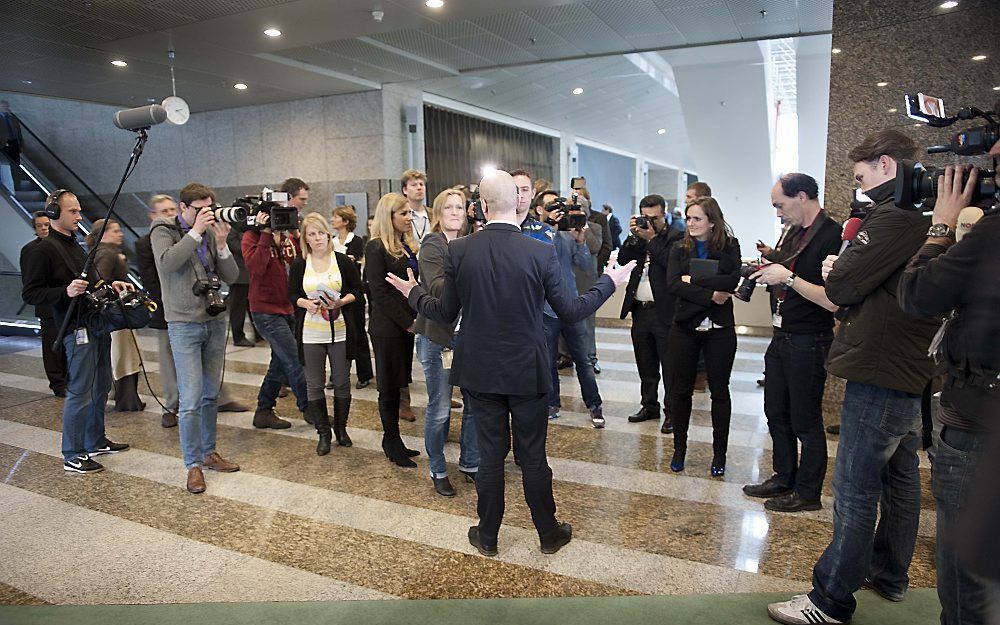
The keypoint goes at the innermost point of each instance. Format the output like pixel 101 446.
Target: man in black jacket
pixel 796 358
pixel 964 278
pixel 651 305
pixel 494 277
pixel 53 361
pixel 882 352
pixel 50 278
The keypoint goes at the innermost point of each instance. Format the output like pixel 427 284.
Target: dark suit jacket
pixel 150 280
pixel 658 249
pixel 694 300
pixel 42 311
pixel 390 314
pixel 599 218
pixel 498 279
pixel 5 135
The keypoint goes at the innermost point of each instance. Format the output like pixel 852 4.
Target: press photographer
pixel 961 278
pixel 50 277
pixel 191 259
pixel 795 361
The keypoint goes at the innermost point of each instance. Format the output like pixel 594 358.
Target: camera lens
pixel 231 214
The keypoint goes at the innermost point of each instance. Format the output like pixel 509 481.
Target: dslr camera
pixel 745 290
pixel 917 184
pixel 210 289
pixel 244 211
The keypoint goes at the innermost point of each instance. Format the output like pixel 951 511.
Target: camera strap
pixel 202 250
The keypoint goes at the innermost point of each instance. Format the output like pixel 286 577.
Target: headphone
pixel 51 209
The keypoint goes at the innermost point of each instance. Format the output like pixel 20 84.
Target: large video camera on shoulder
pixel 916 183
pixel 244 211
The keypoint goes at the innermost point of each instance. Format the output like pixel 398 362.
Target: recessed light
pixel 28 82
pixel 578 91
pixel 661 131
pixel 950 4
pixel 892 110
pixel 239 86
pixel 272 32
pixel 151 100
pixel 881 84
pixel 997 88
pixel 119 63
pixel 835 50
pixel 979 57
pixel 435 4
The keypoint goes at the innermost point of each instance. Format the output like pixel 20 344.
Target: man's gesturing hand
pixel 620 273
pixel 403 286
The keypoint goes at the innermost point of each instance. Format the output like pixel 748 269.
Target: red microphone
pixel 851 228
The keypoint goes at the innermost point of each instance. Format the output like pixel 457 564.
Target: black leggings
pixel 719 348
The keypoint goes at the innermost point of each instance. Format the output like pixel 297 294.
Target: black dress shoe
pixel 470 476
pixel 563 362
pixel 243 342
pixel 643 415
pixel 667 427
pixel 792 502
pixel 597 368
pixel 476 541
pixel 833 429
pixel 443 486
pixel 362 384
pixel 558 539
pixel 767 489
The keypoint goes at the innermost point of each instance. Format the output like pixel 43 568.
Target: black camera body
pixel 641 221
pixel 105 294
pixel 245 209
pixel 569 221
pixel 210 289
pixel 745 290
pixel 476 203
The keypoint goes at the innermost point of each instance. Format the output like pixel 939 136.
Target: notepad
pixel 703 268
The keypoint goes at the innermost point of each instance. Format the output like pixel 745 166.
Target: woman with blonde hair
pixel 391 249
pixel 325 285
pixel 435 339
pixel 110 264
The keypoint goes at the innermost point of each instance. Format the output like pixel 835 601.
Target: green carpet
pixel 921 606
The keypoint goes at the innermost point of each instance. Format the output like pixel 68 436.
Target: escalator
pixel 23 190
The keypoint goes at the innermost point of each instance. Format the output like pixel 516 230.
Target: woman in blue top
pixel 703 323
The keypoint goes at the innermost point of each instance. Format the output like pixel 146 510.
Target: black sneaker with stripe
pixel 109 447
pixel 82 464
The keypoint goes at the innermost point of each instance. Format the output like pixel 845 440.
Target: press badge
pixel 447 357
pixel 776 320
pixel 81 336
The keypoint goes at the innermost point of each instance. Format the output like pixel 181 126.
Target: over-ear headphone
pixel 51 209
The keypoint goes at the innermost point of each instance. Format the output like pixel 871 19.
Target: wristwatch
pixel 942 231
pixel 790 280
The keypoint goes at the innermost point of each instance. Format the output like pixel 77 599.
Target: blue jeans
pixel 576 342
pixel 199 350
pixel 285 365
pixel 876 466
pixel 88 372
pixel 437 417
pixel 966 598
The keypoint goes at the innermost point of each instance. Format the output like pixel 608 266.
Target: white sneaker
pixel 799 611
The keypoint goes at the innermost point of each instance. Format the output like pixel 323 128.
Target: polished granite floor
pixel 292 526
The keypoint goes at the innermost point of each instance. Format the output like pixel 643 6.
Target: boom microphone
pixel 966 219
pixel 851 228
pixel 141 117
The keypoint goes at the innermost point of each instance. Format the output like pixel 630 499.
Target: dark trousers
pixel 496 416
pixel 719 349
pixel 238 302
pixel 363 359
pixel 53 361
pixel 794 379
pixel 651 344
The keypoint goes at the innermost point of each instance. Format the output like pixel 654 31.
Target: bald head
pixel 498 190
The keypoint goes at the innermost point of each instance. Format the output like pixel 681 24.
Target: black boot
pixel 321 419
pixel 392 443
pixel 341 408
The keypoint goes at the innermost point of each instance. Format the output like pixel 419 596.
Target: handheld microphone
pixel 141 117
pixel 966 219
pixel 851 228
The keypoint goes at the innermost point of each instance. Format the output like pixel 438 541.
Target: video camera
pixel 917 183
pixel 105 294
pixel 476 203
pixel 568 221
pixel 244 211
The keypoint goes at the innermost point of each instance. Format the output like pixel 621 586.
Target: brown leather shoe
pixel 406 414
pixel 216 462
pixel 196 481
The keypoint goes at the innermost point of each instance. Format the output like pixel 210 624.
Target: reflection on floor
pixel 292 526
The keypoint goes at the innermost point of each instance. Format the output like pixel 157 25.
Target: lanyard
pixel 794 258
pixel 202 249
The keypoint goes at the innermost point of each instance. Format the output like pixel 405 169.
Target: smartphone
pixel 578 183
pixel 924 107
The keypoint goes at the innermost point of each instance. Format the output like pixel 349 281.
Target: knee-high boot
pixel 341 409
pixel 392 442
pixel 321 419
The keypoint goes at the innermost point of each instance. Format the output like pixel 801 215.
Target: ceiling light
pixel 151 100
pixel 28 82
pixel 997 88
pixel 119 63
pixel 881 84
pixel 950 4
pixel 661 131
pixel 835 50
pixel 272 32
pixel 488 169
pixel 578 91
pixel 892 110
pixel 239 86
pixel 435 4
pixel 979 57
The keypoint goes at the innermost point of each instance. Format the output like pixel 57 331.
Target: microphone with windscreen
pixel 851 228
pixel 141 117
pixel 966 219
